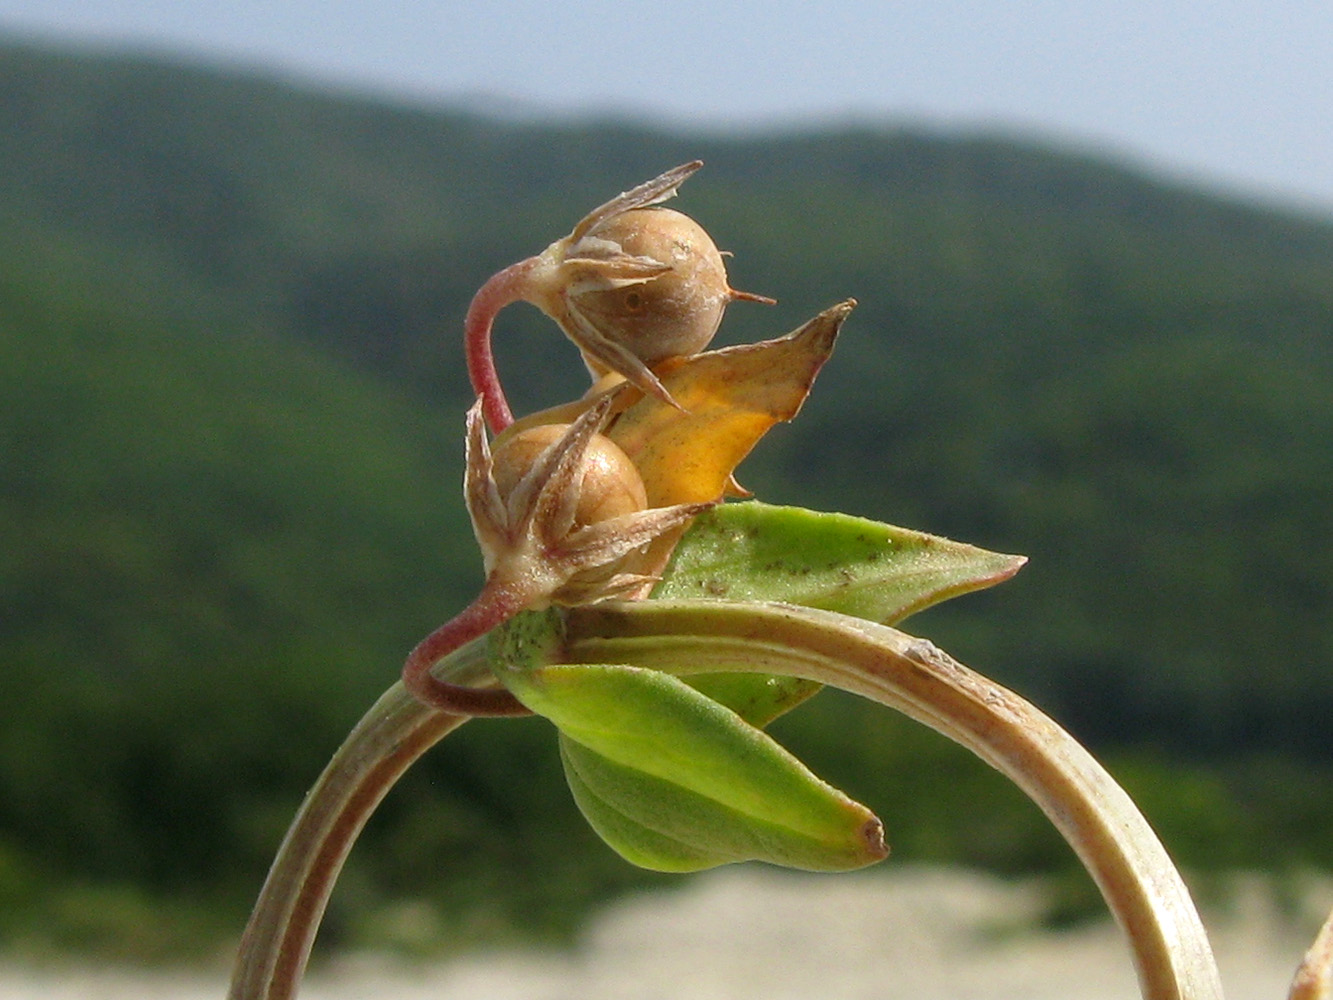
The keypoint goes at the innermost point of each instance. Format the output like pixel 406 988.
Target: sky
pixel 1235 94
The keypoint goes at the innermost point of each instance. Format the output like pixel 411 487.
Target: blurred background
pixel 1093 247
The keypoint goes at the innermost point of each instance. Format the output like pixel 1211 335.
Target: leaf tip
pixel 872 837
pixel 1009 569
pixel 822 330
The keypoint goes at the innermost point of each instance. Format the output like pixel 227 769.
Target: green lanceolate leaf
pixel 758 552
pixel 650 841
pixel 658 825
pixel 674 781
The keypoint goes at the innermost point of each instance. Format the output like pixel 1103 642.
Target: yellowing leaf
pixel 730 398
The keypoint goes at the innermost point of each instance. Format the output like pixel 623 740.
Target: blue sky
pixel 1236 93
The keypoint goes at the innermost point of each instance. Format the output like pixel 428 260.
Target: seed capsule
pixel 560 511
pixel 632 285
pixel 608 485
pixel 635 284
pixel 674 313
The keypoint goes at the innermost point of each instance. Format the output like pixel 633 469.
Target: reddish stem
pixel 494 605
pixel 500 289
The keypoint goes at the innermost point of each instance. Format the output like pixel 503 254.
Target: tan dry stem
pixel 385 743
pixel 1137 878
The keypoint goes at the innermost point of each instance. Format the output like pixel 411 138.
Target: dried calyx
pixel 632 285
pixel 608 483
pixel 562 517
pixel 560 511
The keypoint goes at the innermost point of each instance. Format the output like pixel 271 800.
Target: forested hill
pixel 232 387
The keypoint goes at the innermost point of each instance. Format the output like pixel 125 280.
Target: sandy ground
pixel 750 932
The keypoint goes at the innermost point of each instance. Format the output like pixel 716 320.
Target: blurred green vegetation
pixel 231 391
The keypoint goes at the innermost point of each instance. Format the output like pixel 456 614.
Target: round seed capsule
pixel 610 485
pixel 673 314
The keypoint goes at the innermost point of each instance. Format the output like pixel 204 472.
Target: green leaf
pixel 661 826
pixel 758 552
pixel 675 781
pixel 643 843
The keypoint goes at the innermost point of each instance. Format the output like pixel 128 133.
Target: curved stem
pixel 493 605
pixel 396 731
pixel 499 291
pixel 1137 878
